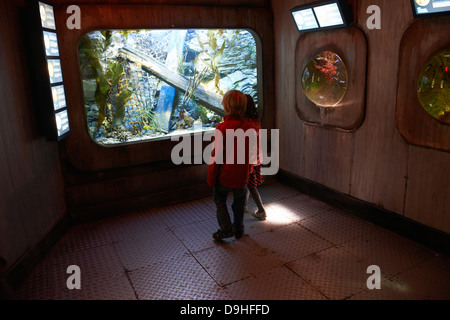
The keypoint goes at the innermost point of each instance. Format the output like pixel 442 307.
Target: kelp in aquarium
pixel 111 94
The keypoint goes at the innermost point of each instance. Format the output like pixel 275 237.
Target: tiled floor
pixel 306 250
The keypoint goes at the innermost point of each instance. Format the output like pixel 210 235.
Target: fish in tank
pixel 325 79
pixel 146 84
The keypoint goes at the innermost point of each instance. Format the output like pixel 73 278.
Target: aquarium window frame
pixel 49 109
pixel 418 15
pixel 345 12
pixel 204 131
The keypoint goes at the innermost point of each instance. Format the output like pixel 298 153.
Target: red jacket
pixel 231 175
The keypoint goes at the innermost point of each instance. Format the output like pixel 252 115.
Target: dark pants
pixel 220 195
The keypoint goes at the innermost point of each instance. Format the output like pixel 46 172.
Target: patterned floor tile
pixel 333 272
pixel 132 226
pixel 291 242
pixel 278 284
pixel 391 252
pixel 197 236
pixel 156 247
pixel 234 261
pixel 181 279
pixel 305 250
pixel 336 226
pixel 299 207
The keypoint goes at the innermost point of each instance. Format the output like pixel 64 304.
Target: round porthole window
pixel 325 79
pixel 433 87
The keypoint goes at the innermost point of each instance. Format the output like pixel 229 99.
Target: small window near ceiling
pixel 141 85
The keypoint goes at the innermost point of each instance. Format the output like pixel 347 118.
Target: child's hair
pixel 235 103
pixel 251 111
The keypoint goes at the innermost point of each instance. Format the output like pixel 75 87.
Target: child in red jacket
pixel 226 171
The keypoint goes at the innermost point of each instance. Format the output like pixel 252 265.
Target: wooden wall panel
pixel 287 121
pixel 380 153
pixel 303 147
pixel 428 191
pixel 331 163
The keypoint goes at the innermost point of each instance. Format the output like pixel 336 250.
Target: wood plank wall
pixel 374 163
pixel 31 184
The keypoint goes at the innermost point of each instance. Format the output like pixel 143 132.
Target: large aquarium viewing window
pixel 145 84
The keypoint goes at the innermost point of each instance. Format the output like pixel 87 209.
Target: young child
pixel 256 178
pixel 225 176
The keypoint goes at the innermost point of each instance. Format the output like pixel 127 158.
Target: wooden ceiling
pixel 234 3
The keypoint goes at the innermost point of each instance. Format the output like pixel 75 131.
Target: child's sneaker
pixel 261 215
pixel 238 234
pixel 220 235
